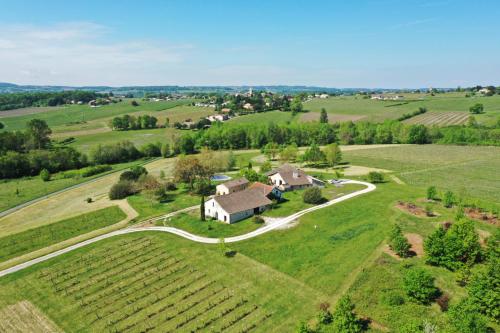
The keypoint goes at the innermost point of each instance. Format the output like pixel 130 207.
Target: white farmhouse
pixel 231 186
pixel 288 178
pixel 236 206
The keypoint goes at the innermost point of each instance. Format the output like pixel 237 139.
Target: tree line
pixel 22 100
pixel 256 136
pixel 128 122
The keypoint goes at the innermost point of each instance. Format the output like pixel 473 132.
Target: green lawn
pixel 163 282
pixel 191 223
pixel 470 170
pixel 33 239
pixel 176 200
pixel 328 244
pixel 14 192
pixel 293 201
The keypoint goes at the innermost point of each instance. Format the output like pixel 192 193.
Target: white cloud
pixel 80 53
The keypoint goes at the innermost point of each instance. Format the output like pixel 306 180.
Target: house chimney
pixel 295 174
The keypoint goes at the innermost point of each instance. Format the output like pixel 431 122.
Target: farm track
pixel 206 240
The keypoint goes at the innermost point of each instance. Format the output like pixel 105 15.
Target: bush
pixel 419 286
pixel 258 219
pixel 121 190
pixel 443 301
pixel 45 175
pixel 375 177
pixel 312 195
pixel 398 242
pixel 449 199
pixel 455 247
pixel 128 175
pixel 464 318
pixel 170 186
pixel 431 193
pixel 134 173
pixel 344 319
pixel 94 170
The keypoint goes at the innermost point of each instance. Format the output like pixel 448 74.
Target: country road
pixel 195 238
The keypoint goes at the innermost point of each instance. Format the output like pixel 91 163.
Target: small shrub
pixel 94 170
pixel 134 173
pixel 443 301
pixel 128 176
pixel 121 190
pixel 169 186
pixel 258 219
pixel 419 286
pixel 449 199
pixel 399 243
pixel 312 195
pixel 89 200
pixel 375 177
pixel 431 193
pixel 45 175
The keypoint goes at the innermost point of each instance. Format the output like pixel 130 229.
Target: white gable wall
pixel 213 209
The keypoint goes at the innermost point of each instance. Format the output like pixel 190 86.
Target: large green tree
pixel 38 133
pixel 333 154
pixel 323 117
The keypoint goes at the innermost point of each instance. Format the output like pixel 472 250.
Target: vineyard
pixel 135 285
pixel 439 118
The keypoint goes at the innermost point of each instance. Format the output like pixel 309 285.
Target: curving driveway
pixel 200 239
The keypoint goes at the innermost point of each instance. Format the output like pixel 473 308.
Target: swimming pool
pixel 220 177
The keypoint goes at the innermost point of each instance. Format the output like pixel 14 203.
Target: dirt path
pixel 124 206
pixel 189 236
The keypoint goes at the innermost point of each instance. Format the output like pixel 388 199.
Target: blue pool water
pixel 220 177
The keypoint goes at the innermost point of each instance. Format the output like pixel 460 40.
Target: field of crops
pixel 136 286
pixel 439 118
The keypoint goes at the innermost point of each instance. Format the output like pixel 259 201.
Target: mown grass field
pixel 160 283
pixel 69 115
pixel 440 119
pixel 33 239
pixel 467 170
pixel 374 110
pixel 14 192
pixel 191 223
pixel 176 200
pixel 276 117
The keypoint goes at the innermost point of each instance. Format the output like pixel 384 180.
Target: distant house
pixel 269 191
pixel 324 96
pixel 248 106
pixel 93 103
pixel 225 110
pixel 289 178
pixel 484 91
pixel 231 186
pixel 217 117
pixel 236 206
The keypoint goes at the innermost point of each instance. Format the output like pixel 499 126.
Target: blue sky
pixel 384 43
